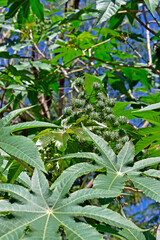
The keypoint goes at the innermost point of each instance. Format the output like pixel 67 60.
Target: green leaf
pixel 111 181
pixel 37 9
pixel 22 148
pixel 150 107
pixel 107 8
pixel 152 173
pixel 32 124
pixel 106 151
pixel 14 171
pixel 3 3
pixel 152 4
pixel 145 142
pixel 76 170
pixel 24 179
pixel 14 8
pixel 7 119
pixel 1 160
pixel 60 139
pixel 8 56
pixel 40 65
pixel 89 80
pixel 142 164
pixel 126 155
pixel 148 185
pixel 132 234
pixel 42 211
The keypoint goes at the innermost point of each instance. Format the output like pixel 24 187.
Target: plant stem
pixel 84 181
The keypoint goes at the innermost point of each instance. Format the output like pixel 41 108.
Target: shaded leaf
pixel 14 171
pixel 37 9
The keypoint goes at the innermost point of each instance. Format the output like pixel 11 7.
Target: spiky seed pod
pixel 118 146
pixel 107 135
pixel 108 110
pixel 111 102
pixel 111 118
pixel 122 120
pixel 77 103
pixel 89 108
pixel 124 139
pixel 100 105
pixel 98 132
pixel 96 86
pixel 79 82
pixel 121 132
pixel 100 96
pixel 82 95
pixel 67 111
pixel 115 124
pixel 114 136
pixel 94 116
pixel 75 114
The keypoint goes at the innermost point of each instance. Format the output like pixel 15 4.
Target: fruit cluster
pixel 98 110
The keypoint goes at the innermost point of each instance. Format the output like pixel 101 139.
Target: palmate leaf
pixel 117 166
pixel 108 8
pixel 42 212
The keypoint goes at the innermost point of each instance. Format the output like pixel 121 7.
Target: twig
pixel 146 123
pixel 132 189
pixel 89 185
pixel 22 163
pixel 35 45
pixel 84 181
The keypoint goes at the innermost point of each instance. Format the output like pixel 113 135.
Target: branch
pixel 148 38
pixel 144 25
pixel 123 65
pixel 132 189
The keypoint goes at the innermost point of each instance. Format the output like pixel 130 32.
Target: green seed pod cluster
pixel 98 107
pixel 100 96
pixel 79 82
pixel 111 102
pixel 82 95
pixel 96 86
pixel 89 108
pixel 108 110
pixel 111 118
pixel 94 116
pixel 122 120
pixel 67 111
pixel 77 103
pixel 40 27
pixel 107 135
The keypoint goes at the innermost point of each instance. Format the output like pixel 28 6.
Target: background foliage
pixel 80 124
